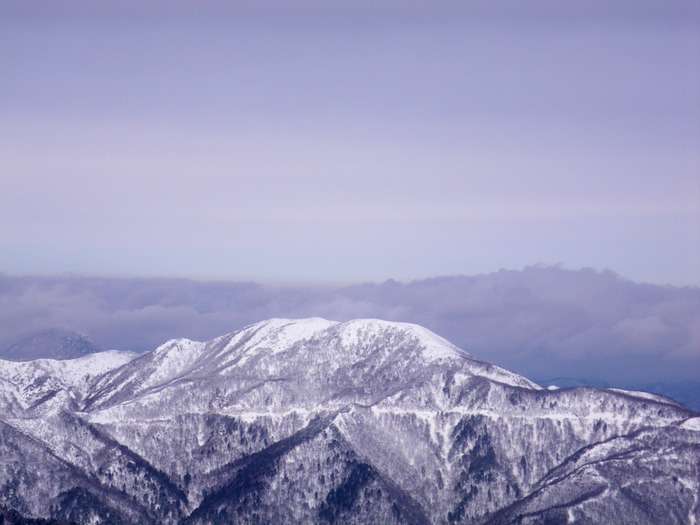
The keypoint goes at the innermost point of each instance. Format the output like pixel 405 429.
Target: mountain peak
pixel 309 363
pixel 316 421
pixel 355 337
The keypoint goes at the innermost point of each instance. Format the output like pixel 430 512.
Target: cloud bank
pixel 542 322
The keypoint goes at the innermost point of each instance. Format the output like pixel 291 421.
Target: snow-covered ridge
pixel 644 395
pixel 303 352
pixel 30 388
pixel 273 336
pixel 692 423
pixel 70 372
pixel 307 411
pixel 277 335
pixel 349 343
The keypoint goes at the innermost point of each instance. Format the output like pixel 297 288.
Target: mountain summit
pixel 313 421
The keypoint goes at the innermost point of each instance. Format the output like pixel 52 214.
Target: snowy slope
pixel 31 385
pixel 313 421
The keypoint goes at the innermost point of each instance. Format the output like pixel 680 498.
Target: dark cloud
pixel 543 322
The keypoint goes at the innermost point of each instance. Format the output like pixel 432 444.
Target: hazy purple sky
pixel 349 140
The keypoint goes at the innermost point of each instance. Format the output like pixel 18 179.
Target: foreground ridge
pixel 290 421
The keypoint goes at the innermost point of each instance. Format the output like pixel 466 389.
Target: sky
pixel 342 142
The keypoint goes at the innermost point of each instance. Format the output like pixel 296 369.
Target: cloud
pixel 543 322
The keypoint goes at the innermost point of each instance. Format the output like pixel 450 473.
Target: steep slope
pixel 322 422
pixel 30 388
pixel 647 477
pixel 303 362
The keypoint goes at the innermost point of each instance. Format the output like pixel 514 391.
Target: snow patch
pixel 643 395
pixel 435 347
pixel 173 359
pixel 692 423
pixel 286 332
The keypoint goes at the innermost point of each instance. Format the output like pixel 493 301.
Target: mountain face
pixel 54 343
pixel 313 421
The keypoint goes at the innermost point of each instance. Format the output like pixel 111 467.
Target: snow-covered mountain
pixel 312 421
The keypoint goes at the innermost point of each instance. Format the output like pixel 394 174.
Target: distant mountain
pixel 687 392
pixel 54 343
pixel 312 421
pixel 570 382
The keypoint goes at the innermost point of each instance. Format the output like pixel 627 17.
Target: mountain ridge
pixel 311 420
